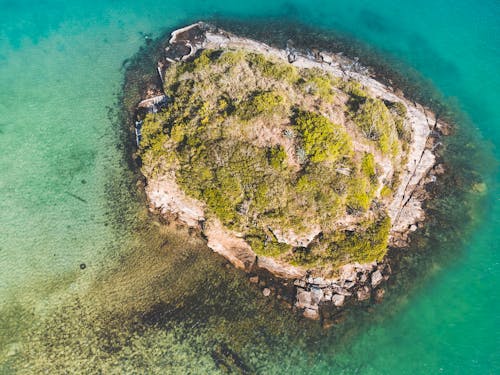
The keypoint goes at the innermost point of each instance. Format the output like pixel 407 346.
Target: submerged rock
pixel 363 293
pixel 311 313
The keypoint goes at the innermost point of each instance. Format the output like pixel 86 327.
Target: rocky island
pixel 296 166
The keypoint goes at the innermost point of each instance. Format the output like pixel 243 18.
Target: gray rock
pixel 338 300
pixel 303 298
pixel 316 295
pixel 291 55
pixel 327 295
pixel 339 290
pixel 326 58
pixel 377 278
pixel 363 277
pixel 348 272
pixel 349 284
pixel 300 283
pixel 320 282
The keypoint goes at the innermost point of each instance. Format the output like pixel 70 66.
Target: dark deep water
pixel 151 300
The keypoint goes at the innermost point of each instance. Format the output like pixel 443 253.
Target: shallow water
pixel 150 299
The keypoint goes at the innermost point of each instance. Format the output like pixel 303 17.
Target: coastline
pixel 356 283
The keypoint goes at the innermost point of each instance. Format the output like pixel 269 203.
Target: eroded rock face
pixel 229 245
pixel 280 269
pixel 165 195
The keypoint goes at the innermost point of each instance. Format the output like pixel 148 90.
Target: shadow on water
pixel 168 303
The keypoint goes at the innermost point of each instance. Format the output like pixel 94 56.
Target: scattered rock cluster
pixel 358 283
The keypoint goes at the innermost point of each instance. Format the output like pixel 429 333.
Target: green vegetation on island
pixel 276 153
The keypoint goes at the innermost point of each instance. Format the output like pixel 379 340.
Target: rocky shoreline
pixel 315 296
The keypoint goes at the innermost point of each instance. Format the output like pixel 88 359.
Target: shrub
pixel 320 84
pixel 276 156
pixel 260 103
pixel 231 58
pixel 322 139
pixel 385 192
pixel 375 121
pixel 368 166
pixel 302 256
pixel 366 244
pixel 358 200
pixel 357 95
pixel 178 133
pixel 399 112
pixel 273 69
pixel 267 248
pixel 151 128
pixel 201 62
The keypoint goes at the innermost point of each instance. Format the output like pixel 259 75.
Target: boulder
pixel 439 169
pixel 363 278
pixel 327 295
pixel 319 281
pixel 300 283
pixel 316 295
pixel 349 284
pixel 444 128
pixel 326 58
pixel 338 300
pixel 311 313
pixel 377 278
pixel 339 290
pixel 303 298
pixel 348 272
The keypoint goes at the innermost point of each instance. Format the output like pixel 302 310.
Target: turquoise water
pixel 150 300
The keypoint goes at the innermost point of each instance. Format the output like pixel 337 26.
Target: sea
pixel 91 283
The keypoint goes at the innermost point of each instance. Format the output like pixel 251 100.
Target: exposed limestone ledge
pixel 165 196
pixel 229 244
pixel 294 239
pixel 357 283
pixel 280 269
